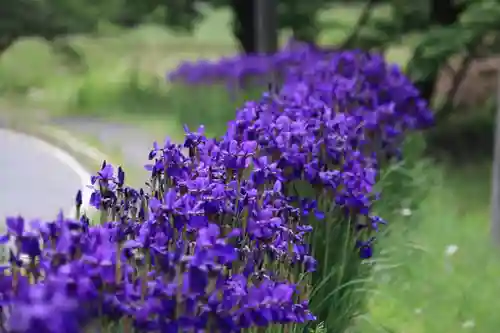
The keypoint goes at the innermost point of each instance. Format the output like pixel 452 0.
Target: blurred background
pixel 99 69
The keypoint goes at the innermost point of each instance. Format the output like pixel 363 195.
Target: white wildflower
pixel 25 259
pixel 451 250
pixel 468 324
pixel 406 212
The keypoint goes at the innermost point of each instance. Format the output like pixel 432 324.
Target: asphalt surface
pixel 34 181
pixel 132 143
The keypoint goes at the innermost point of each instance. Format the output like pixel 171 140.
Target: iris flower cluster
pixel 371 93
pixel 201 250
pixel 220 238
pixel 239 70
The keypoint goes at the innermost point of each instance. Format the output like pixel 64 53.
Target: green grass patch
pixel 121 72
pixel 438 270
pixel 212 106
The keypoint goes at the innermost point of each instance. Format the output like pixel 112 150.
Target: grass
pixel 438 270
pixel 124 73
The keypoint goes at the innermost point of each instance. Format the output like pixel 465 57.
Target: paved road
pixel 132 142
pixel 36 180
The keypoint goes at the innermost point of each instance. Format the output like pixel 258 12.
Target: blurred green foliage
pixel 50 18
pixel 411 15
pixel 435 30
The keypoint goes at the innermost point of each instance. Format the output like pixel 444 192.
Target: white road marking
pixel 75 144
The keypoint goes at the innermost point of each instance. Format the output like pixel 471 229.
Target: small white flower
pixel 25 259
pixel 385 278
pixel 137 254
pixel 451 250
pixel 468 324
pixel 406 212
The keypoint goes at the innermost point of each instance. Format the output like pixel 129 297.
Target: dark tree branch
pixel 470 55
pixel 362 21
pixel 443 13
pixel 244 24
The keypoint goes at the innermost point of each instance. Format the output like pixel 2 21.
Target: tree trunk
pixel 244 24
pixel 445 12
pixel 266 17
pixel 5 43
pixel 495 186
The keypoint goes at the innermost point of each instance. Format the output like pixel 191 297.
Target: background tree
pixel 51 20
pixel 300 17
pixel 447 27
pixel 445 37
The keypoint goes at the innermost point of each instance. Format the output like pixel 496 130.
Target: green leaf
pixel 482 16
pixel 436 47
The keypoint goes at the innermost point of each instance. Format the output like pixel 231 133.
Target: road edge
pixel 87 155
pixel 81 157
